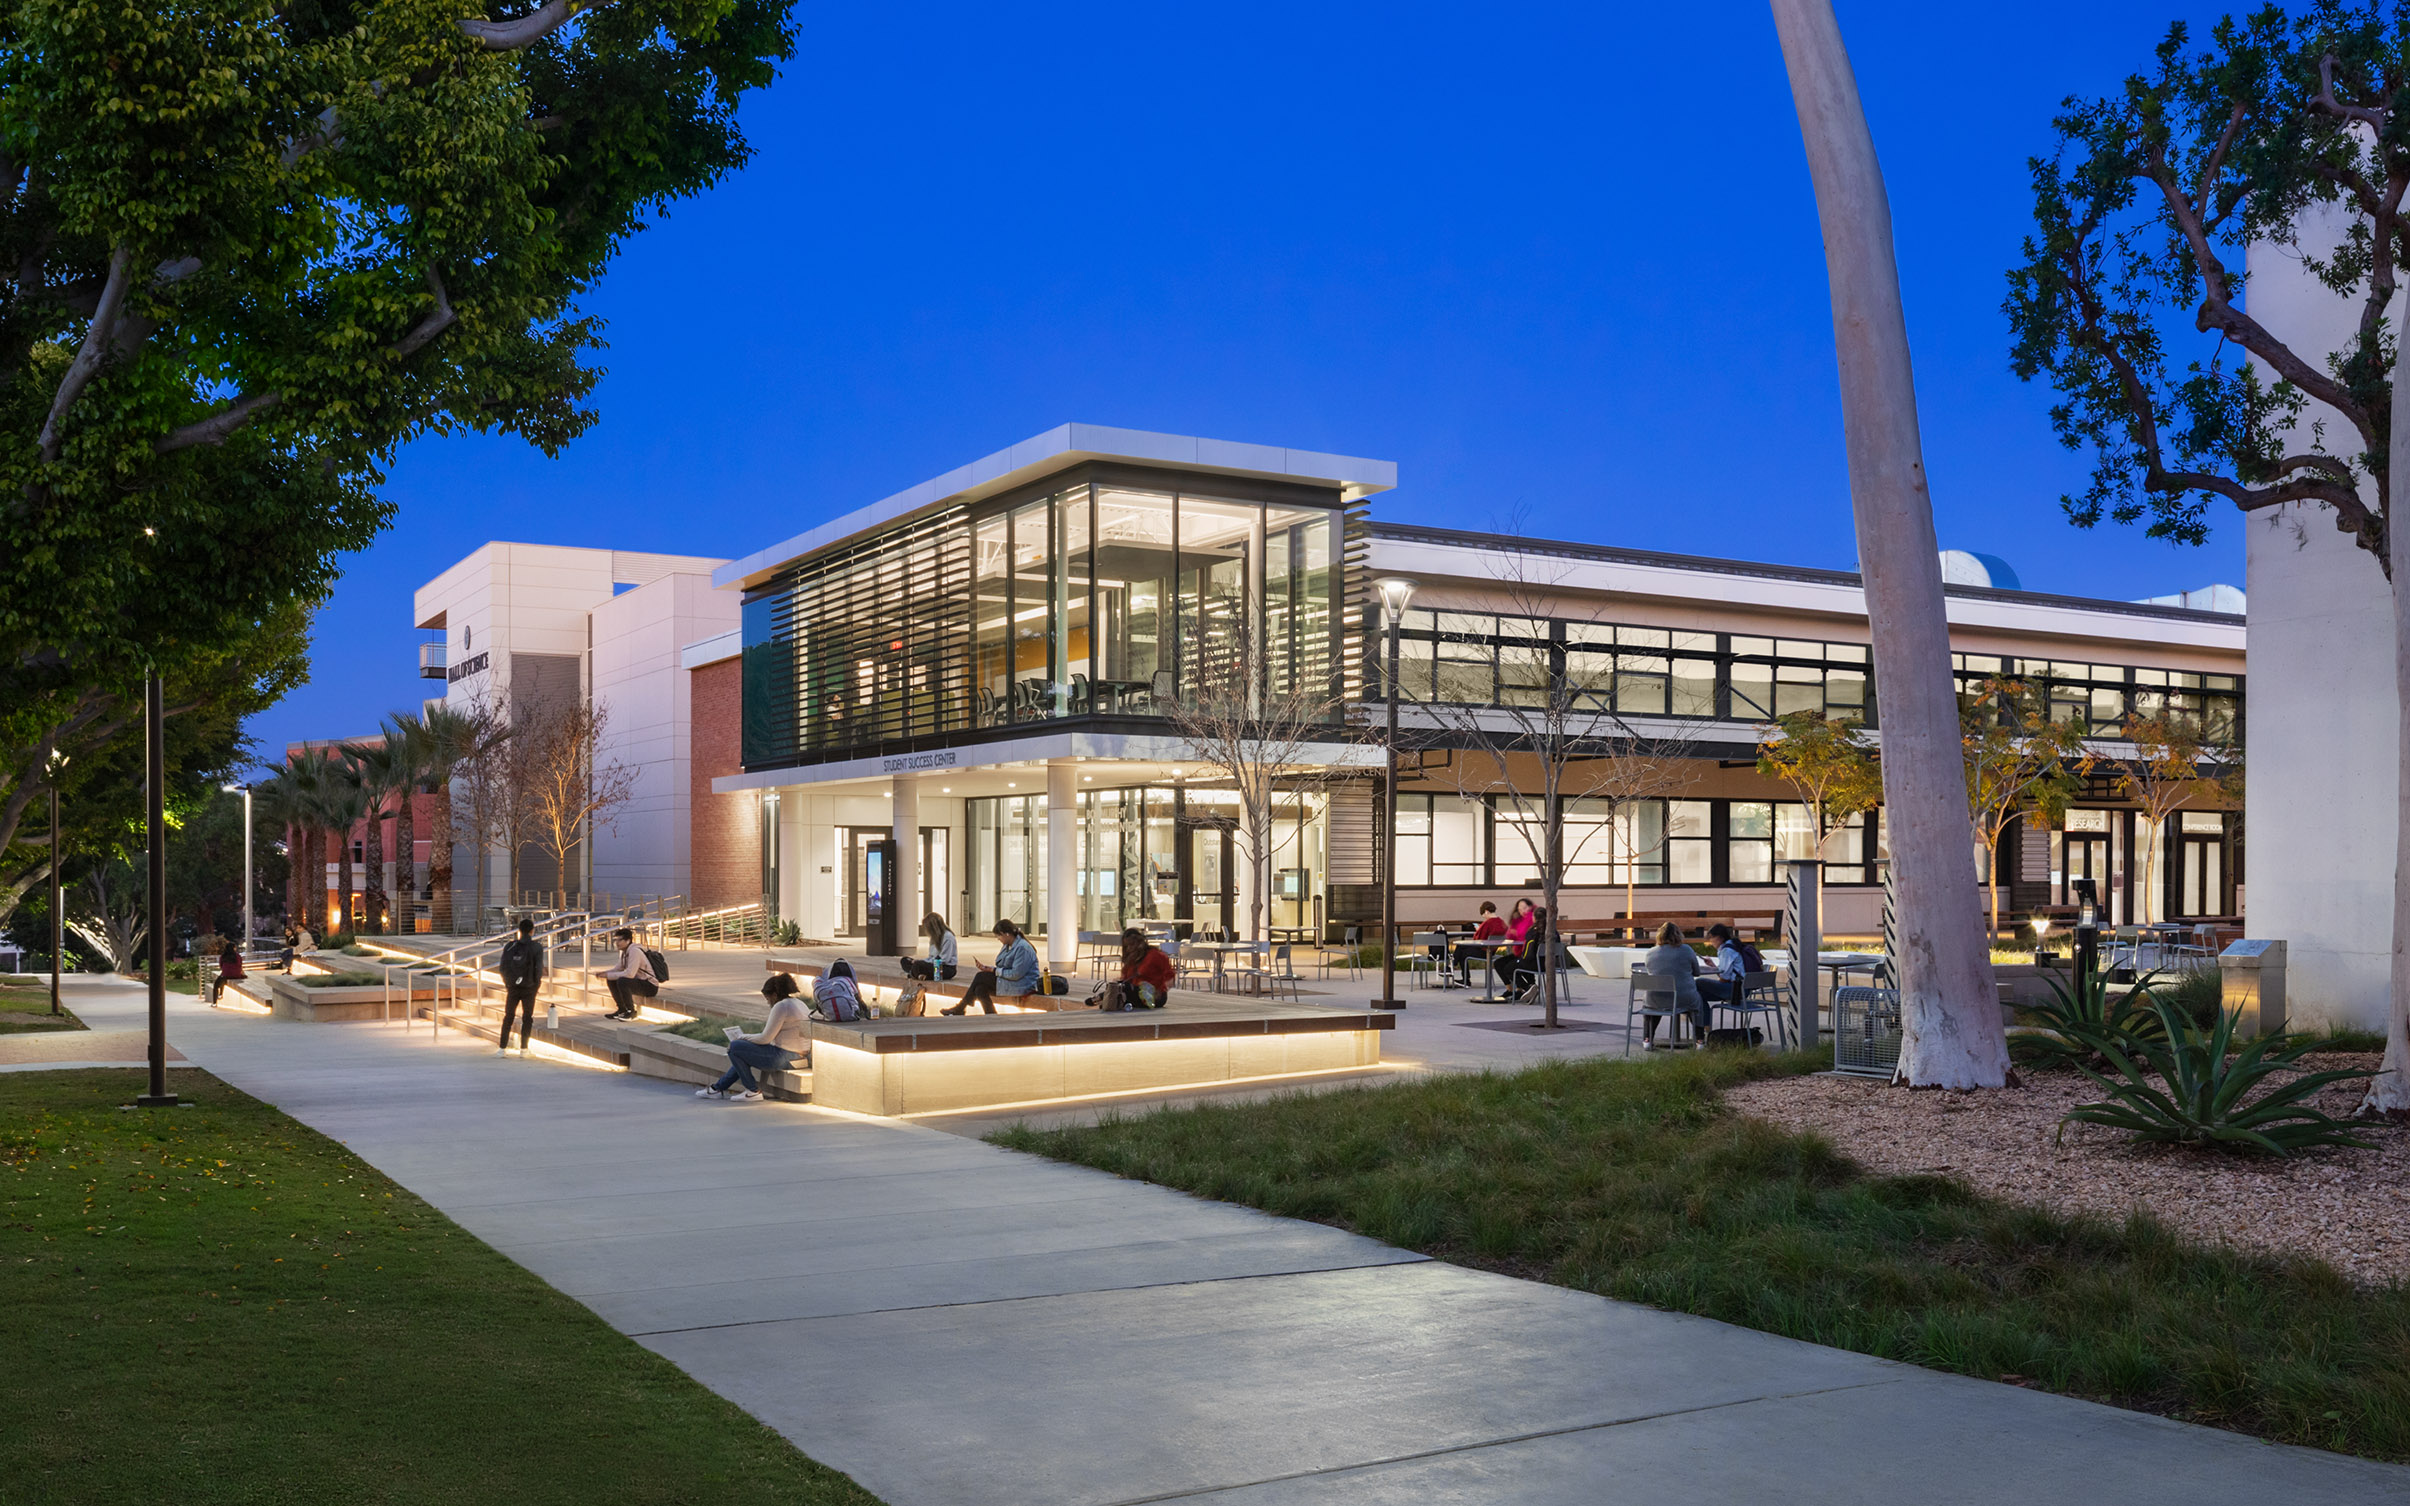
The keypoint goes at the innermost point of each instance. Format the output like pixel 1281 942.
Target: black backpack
pixel 1752 960
pixel 519 960
pixel 660 965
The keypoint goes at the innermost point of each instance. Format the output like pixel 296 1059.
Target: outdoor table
pixel 1489 950
pixel 1609 962
pixel 1220 951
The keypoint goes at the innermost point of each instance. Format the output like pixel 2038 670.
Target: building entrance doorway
pixel 1211 867
pixel 2201 864
pixel 2085 852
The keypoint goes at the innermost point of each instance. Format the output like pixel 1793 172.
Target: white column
pixel 1249 874
pixel 907 861
pixel 1062 864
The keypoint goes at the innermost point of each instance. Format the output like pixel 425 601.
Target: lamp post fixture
pixel 1395 591
pixel 58 924
pixel 154 730
pixel 244 790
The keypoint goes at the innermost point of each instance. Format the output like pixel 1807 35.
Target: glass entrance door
pixel 2086 856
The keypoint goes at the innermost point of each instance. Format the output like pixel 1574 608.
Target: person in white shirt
pixel 942 961
pixel 633 976
pixel 784 1038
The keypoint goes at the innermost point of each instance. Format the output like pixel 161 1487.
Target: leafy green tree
pixel 252 249
pixel 100 781
pixel 1829 763
pixel 2019 762
pixel 2143 219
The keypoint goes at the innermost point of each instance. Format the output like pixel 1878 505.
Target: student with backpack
pixel 639 973
pixel 1735 959
pixel 522 969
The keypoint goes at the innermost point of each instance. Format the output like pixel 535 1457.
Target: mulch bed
pixel 2350 1208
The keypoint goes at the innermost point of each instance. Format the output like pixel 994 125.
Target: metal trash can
pixel 2251 975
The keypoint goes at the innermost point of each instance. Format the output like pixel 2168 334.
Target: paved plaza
pixel 958 1325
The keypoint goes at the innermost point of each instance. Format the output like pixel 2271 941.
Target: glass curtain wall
pixel 1448 841
pixel 1098 600
pixel 1145 854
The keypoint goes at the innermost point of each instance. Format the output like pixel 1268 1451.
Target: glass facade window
pixel 2099 697
pixel 1095 599
pixel 1168 854
pixel 1444 841
pixel 1476 659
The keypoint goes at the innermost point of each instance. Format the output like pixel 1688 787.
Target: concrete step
pixel 656 1053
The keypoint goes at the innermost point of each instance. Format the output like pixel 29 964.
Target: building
pixel 527 625
pixel 979 668
pixel 982 670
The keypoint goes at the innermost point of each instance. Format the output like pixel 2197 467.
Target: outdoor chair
pixel 1758 994
pixel 1351 943
pixel 1188 969
pixel 1277 977
pixel 1654 997
pixel 1417 960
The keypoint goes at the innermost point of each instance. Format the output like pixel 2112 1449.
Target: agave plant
pixel 2203 1095
pixel 2084 1011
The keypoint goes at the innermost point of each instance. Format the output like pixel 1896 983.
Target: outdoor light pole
pixel 58 924
pixel 244 790
pixel 154 730
pixel 1396 591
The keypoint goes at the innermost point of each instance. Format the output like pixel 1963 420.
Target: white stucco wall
pixel 2320 718
pixel 639 680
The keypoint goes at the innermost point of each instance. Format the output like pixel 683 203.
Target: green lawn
pixel 23 1009
pixel 217 1304
pixel 1631 1180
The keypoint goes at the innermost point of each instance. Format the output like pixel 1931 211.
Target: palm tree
pixel 382 775
pixel 301 792
pixel 452 737
pixel 280 797
pixel 406 745
pixel 342 802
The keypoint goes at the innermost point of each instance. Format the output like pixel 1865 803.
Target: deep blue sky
pixel 1554 260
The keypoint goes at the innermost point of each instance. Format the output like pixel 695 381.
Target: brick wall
pixel 727 828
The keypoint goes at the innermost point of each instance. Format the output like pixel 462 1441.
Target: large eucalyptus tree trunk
pixel 1950 1009
pixel 2389 1092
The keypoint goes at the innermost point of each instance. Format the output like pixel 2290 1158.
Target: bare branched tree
pixel 564 790
pixel 1552 735
pixel 1260 721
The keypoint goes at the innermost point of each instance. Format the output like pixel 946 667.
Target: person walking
pixel 522 965
pixel 784 1038
pixel 633 977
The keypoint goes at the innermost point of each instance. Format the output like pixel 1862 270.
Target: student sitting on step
pixel 784 1039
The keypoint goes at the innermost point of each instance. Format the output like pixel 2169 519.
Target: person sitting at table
pixel 1520 964
pixel 1518 920
pixel 1735 959
pixel 1472 955
pixel 1147 974
pixel 1014 977
pixel 1670 958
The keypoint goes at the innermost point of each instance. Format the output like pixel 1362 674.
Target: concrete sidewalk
pixel 952 1323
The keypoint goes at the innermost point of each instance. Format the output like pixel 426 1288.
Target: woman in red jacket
pixel 1146 975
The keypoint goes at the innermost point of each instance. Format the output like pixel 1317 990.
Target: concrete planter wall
pixel 291 999
pixel 657 1053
